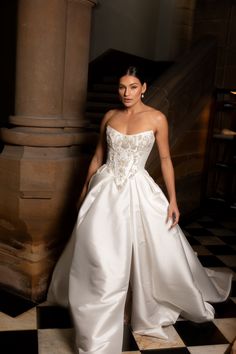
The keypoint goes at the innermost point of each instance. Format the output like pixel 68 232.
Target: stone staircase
pixel 102 84
pixel 101 98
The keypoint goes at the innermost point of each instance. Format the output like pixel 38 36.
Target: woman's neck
pixel 137 108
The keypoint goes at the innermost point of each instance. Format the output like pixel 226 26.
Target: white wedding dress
pixel 121 236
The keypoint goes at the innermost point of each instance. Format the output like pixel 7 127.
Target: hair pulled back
pixel 134 71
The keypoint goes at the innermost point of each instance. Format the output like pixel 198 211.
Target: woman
pixel 127 232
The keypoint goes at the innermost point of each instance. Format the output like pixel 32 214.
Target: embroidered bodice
pixel 127 154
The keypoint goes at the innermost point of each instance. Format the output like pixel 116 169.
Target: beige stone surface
pixel 230 261
pixel 56 341
pixel 34 213
pixel 209 349
pixel 201 250
pixel 40 59
pixel 25 321
pixel 148 343
pixel 227 326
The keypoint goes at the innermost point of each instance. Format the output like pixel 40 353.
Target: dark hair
pixel 134 71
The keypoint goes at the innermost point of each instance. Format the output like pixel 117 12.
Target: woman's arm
pixel 97 158
pixel 167 167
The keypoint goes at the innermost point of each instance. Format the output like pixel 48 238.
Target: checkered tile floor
pixel 42 329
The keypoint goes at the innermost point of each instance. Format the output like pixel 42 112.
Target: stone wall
pixel 184 94
pixel 182 27
pixel 218 18
pixel 194 19
pixel 125 25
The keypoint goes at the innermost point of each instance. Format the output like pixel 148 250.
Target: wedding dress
pixel 121 237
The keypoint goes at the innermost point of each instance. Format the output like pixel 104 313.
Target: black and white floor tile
pixel 42 329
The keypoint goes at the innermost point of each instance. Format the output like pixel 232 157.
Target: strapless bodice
pixel 127 154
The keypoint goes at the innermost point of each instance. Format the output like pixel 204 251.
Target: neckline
pixel 143 132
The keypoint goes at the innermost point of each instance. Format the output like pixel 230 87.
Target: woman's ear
pixel 144 87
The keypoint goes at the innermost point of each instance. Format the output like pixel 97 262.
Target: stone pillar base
pixel 37 212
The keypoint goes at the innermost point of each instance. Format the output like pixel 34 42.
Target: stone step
pixel 105 88
pixel 102 97
pixel 95 127
pixel 94 115
pixel 110 79
pixel 100 106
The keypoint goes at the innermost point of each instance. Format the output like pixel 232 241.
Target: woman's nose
pixel 126 92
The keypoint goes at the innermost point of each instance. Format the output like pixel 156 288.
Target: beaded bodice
pixel 127 154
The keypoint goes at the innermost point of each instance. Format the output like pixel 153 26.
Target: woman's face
pixel 130 90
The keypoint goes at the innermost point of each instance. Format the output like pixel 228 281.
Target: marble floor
pixel 42 329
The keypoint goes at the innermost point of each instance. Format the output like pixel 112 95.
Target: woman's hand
pixel 173 214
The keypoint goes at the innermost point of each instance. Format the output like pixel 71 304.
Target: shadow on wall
pixel 8 20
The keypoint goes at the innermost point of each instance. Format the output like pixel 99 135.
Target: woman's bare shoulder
pixel 110 114
pixel 107 116
pixel 157 118
pixel 156 114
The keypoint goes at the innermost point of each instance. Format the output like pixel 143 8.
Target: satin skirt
pixel 121 237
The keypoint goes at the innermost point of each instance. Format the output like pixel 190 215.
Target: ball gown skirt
pixel 121 237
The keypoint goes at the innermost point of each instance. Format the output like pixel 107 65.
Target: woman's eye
pixel 133 87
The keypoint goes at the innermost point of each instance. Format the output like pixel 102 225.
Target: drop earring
pixel 142 95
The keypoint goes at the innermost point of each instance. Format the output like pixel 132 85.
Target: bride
pixel 127 232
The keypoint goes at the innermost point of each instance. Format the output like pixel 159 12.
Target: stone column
pixel 51 67
pixel 41 165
